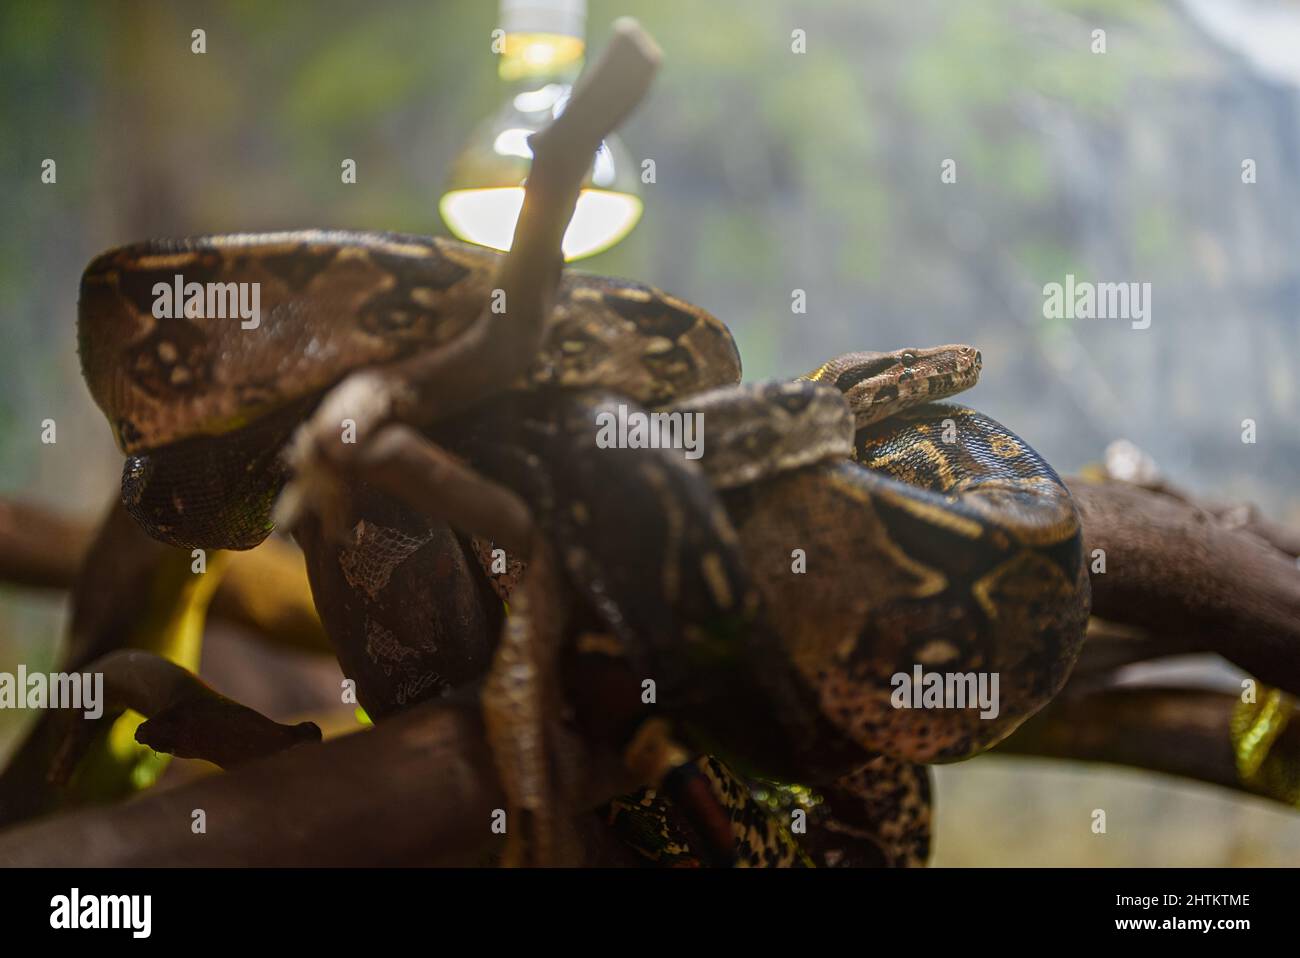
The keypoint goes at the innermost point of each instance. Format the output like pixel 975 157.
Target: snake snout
pixel 969 363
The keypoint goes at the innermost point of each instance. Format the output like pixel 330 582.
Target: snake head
pixel 878 385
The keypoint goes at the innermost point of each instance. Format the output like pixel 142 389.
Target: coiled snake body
pixel 930 535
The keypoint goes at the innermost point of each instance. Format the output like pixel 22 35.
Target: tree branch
pixel 40 548
pixel 500 346
pixel 185 717
pixel 418 789
pixel 263 590
pixel 1192 583
pixel 401 462
pixel 1183 732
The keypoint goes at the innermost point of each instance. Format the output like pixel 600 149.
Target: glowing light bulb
pixel 488 216
pixel 541 55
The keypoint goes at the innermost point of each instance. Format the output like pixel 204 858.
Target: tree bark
pixel 1190 581
pixel 418 789
pixel 1185 732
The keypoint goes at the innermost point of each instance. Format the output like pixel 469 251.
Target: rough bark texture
pixel 419 789
pixel 1185 732
pixel 1192 582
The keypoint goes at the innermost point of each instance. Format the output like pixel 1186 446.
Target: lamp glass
pixel 484 191
pixel 488 216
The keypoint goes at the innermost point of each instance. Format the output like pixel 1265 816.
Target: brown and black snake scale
pixel 933 535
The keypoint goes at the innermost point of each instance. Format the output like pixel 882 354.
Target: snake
pixel 934 536
pixel 943 543
pixel 963 545
pixel 202 406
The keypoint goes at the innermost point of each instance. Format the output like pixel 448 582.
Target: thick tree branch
pixel 263 590
pixel 418 789
pixel 1183 732
pixel 1192 583
pixel 40 548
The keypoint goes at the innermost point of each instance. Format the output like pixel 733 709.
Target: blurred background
pixel 775 171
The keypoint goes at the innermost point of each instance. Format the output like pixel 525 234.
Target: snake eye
pixel 908 358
